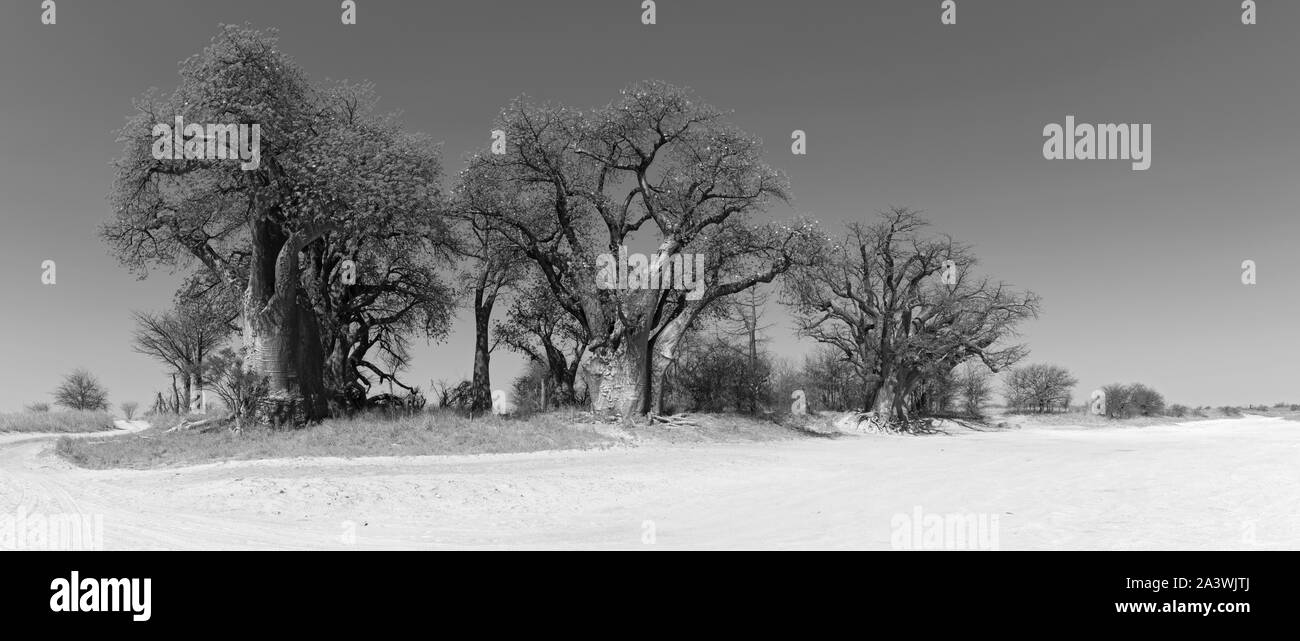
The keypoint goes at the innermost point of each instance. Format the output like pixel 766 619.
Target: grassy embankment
pixel 71 421
pixel 426 433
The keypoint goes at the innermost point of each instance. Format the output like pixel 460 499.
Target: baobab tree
pixel 334 182
pixel 901 307
pixel 655 166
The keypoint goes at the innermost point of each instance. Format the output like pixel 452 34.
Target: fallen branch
pixel 675 420
pixel 204 425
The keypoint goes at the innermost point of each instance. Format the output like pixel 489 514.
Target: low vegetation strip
pixel 426 433
pixel 72 421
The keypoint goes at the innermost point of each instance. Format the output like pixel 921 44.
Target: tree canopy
pixel 329 242
pixel 656 166
pixel 902 306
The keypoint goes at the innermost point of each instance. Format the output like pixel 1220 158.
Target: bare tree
pixel 80 390
pixel 744 315
pixel 539 328
pixel 495 266
pixel 1039 388
pixel 829 380
pixel 182 339
pixel 936 392
pixel 656 164
pixel 128 409
pixel 903 307
pixel 973 382
pixel 239 388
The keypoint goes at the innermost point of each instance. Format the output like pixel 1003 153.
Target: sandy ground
pixel 1224 484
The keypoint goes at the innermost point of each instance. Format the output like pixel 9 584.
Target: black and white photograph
pixel 914 277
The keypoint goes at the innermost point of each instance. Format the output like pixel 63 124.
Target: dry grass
pixel 423 434
pixel 1084 419
pixel 720 428
pixel 1285 412
pixel 429 433
pixel 71 421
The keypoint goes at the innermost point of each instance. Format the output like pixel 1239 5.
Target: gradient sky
pixel 1139 271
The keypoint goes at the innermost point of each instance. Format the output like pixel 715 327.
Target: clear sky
pixel 1139 270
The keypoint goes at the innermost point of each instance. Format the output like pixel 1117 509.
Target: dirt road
pixel 1231 484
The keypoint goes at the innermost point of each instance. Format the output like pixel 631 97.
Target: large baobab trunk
pixel 280 331
pixel 896 394
pixel 622 376
pixel 631 378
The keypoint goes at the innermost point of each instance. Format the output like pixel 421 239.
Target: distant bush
pixel 974 387
pixel 394 405
pixel 38 407
pixel 1146 401
pixel 1127 401
pixel 80 390
pixel 457 397
pixel 1038 388
pixel 716 374
pixel 1178 411
pixel 128 409
pixel 1231 411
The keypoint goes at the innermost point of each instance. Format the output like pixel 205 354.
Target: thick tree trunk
pixel 622 376
pixel 664 354
pixel 186 397
pixel 888 397
pixel 630 380
pixel 544 392
pixel 345 394
pixel 897 393
pixel 559 378
pixel 481 385
pixel 197 403
pixel 281 336
pixel 566 391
